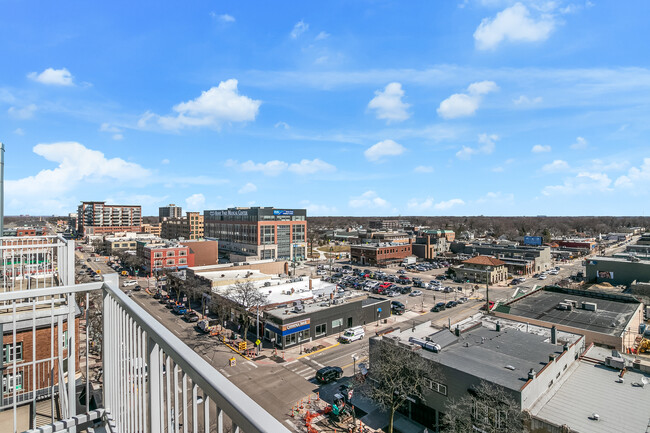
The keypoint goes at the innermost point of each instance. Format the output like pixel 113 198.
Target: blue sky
pixel 465 107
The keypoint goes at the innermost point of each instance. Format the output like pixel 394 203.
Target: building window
pixel 157 263
pixel 65 340
pixel 170 262
pixel 170 253
pixel 321 329
pixel 182 253
pixel 8 352
pixel 8 382
pixel 157 255
pixel 338 323
pixel 182 261
pixel 436 386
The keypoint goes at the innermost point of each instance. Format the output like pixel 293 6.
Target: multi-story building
pixel 384 224
pixel 380 254
pixel 164 255
pixel 254 233
pixel 153 229
pixel 170 211
pixel 431 243
pixel 98 218
pixel 125 242
pixel 482 269
pixel 187 227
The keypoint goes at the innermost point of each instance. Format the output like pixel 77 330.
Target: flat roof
pixel 318 305
pixel 589 389
pixel 504 357
pixel 614 310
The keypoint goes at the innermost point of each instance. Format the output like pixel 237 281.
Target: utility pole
pixel 487 290
pixel 2 189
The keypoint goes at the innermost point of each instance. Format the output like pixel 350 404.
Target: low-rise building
pixel 125 242
pixel 154 229
pixel 482 269
pixel 525 362
pixel 607 319
pixel 393 224
pixel 158 256
pixel 431 243
pixel 303 322
pixel 206 252
pixel 617 270
pixel 519 259
pixel 380 254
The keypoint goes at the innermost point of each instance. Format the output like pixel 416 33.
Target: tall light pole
pixel 2 189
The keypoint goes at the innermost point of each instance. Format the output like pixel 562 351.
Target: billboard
pixel 532 240
pixel 282 212
pixel 605 275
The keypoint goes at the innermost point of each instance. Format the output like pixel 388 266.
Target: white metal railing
pixel 152 381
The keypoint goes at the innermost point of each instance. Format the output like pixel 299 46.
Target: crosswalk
pixel 304 369
pixel 242 366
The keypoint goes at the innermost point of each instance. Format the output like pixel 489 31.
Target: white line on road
pixel 291 362
pixel 251 363
pixel 306 357
pixel 318 363
pixel 304 370
pixel 224 372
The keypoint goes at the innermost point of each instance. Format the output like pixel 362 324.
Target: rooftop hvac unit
pixel 433 347
pixel 564 306
pixel 591 306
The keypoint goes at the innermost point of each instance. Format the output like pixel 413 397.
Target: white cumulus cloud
pixel 513 24
pixel 420 205
pixel 423 169
pixel 22 113
pixel 582 183
pixel 388 103
pixel 214 107
pixel 224 18
pixel 195 202
pixel 300 28
pixel 276 167
pixel 249 187
pixel 383 148
pixel 307 166
pixel 580 144
pixel 322 36
pixel 538 148
pixel 270 168
pixel 54 77
pixel 636 177
pixel 524 100
pixel 466 104
pixel 368 199
pixel 487 143
pixel 555 166
pixel 49 189
pixel 444 205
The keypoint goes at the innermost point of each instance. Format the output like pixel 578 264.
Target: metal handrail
pixel 239 407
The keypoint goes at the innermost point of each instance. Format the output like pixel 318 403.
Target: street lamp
pixel 354 367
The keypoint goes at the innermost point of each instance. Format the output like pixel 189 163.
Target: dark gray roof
pixel 485 353
pixel 614 312
pixel 443 337
pixel 372 300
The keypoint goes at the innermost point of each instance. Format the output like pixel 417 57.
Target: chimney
pixel 310 283
pixel 531 374
pixel 551 357
pixel 553 335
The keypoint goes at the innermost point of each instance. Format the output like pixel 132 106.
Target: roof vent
pixel 510 367
pixel 594 417
pixel 531 374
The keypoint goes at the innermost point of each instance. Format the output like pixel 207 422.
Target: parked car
pixel 129 283
pixel 191 316
pixel 438 307
pixel 397 307
pixel 329 374
pixel 451 304
pixel 180 309
pixel 157 295
pixel 463 300
pixel 416 293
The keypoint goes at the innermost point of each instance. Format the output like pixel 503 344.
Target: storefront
pixel 288 334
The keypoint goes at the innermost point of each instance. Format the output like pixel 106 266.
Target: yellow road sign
pixel 258 342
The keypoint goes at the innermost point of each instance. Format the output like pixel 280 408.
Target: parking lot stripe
pixel 251 363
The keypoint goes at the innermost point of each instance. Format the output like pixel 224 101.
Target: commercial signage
pixel 297 324
pixel 282 212
pixel 228 212
pixel 532 240
pixel 605 275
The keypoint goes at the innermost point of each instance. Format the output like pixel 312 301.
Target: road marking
pixel 318 363
pixel 352 363
pixel 224 372
pixel 306 357
pixel 353 355
pixel 251 363
pixel 291 362
pixel 303 370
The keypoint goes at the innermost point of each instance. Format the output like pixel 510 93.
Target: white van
pixel 351 334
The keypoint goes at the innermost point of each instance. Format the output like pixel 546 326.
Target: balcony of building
pixel 115 369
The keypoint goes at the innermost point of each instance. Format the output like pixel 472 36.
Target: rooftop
pixel 504 357
pixel 485 261
pixel 318 305
pixel 591 389
pixel 613 313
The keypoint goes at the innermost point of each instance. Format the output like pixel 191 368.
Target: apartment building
pixel 256 233
pixel 98 218
pixel 169 211
pixel 154 229
pixel 190 226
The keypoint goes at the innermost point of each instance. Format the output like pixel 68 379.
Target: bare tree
pixel 489 408
pixel 396 374
pixel 246 299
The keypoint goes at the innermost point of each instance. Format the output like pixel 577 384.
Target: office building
pixel 381 255
pixel 518 259
pixel 254 233
pixel 429 244
pixel 384 224
pixel 160 255
pixel 154 229
pixel 482 269
pixel 169 211
pixel 98 218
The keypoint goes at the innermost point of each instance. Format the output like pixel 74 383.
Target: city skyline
pixel 489 107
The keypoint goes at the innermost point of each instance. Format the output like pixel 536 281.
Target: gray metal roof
pixel 611 318
pixel 485 353
pixel 591 389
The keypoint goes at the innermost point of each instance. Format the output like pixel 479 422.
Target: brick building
pixel 187 227
pixel 154 229
pixel 481 269
pixel 380 254
pixel 98 218
pixel 164 255
pixel 257 233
